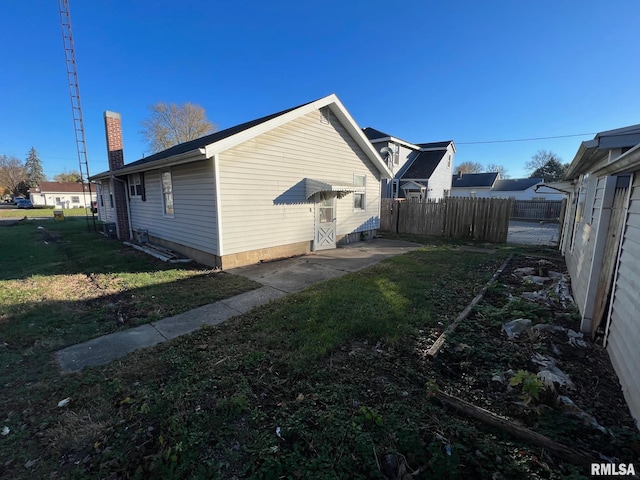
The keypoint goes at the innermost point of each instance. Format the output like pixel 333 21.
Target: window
pixel 446 193
pixel 58 199
pixel 101 200
pixel 167 193
pixel 358 198
pixel 136 189
pixel 111 200
pixel 448 160
pixel 75 199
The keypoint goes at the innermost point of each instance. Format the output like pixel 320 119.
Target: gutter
pixel 186 157
pixel 628 161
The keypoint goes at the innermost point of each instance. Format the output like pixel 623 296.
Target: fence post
pixel 397 215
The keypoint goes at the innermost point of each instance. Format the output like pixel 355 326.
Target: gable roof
pixel 515 184
pixel 376 136
pixel 210 145
pixel 469 180
pixel 60 187
pixel 436 145
pixel 373 134
pixel 423 164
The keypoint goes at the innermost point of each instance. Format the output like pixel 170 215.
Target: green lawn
pixel 43 212
pixel 316 385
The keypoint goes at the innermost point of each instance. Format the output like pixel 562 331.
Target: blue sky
pixel 420 70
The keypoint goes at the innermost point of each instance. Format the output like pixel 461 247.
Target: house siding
pixel 262 187
pixel 441 177
pixel 194 198
pixel 105 212
pixel 624 327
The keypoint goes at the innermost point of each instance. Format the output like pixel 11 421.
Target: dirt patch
pixel 520 355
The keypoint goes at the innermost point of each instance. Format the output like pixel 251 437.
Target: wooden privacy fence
pixel 536 210
pixel 485 219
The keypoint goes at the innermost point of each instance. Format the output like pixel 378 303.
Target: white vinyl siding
pixel 106 212
pixel 624 330
pixel 262 184
pixel 194 221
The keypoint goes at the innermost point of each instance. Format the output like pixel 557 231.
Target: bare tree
pixel 494 167
pixel 72 176
pixel 171 124
pixel 13 176
pixel 469 167
pixel 540 159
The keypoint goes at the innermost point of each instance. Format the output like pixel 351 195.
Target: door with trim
pixel 325 234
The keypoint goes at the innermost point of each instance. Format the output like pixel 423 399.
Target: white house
pixel 524 189
pixel 62 194
pixel 475 185
pixel 601 245
pixel 303 179
pixel 420 171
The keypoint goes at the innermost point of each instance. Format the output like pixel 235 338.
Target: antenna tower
pixel 76 108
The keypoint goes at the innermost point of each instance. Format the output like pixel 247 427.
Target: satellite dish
pixel 386 152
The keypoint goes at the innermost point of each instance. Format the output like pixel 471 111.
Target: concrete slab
pixel 246 301
pixel 295 274
pixel 190 321
pixel 103 350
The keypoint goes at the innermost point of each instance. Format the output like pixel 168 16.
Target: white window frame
pixel 135 185
pixel 359 198
pixel 75 199
pixel 166 182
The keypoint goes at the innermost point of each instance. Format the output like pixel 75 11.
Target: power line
pixel 526 139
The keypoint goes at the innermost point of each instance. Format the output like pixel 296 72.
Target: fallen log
pixel 438 344
pixel 561 451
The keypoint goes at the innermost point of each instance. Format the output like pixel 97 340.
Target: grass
pixel 321 384
pixel 61 284
pixel 42 212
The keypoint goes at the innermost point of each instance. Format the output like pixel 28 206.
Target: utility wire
pixel 526 139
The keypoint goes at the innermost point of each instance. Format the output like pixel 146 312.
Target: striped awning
pixel 313 186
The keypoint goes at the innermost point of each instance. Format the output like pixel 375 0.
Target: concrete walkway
pixel 279 278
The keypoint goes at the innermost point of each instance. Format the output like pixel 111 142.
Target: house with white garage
pixel 421 171
pixel 300 180
pixel 62 194
pixel 524 189
pixel 601 244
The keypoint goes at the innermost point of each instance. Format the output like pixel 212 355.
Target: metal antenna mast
pixel 76 108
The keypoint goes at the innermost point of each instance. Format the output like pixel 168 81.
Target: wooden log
pixel 561 451
pixel 435 348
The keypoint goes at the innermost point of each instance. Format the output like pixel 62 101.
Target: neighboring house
pixel 420 171
pixel 524 189
pixel 63 194
pixel 475 185
pixel 601 245
pixel 286 184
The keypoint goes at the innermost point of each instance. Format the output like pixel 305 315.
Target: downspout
pixel 113 177
pixel 216 173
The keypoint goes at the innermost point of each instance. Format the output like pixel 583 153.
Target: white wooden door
pixel 325 237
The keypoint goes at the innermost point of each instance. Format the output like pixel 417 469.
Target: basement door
pixel 325 235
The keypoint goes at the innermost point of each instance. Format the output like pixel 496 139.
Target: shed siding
pixel 194 221
pixel 624 330
pixel 262 184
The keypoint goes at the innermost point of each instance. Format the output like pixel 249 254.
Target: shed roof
pixel 468 180
pixel 593 151
pixel 515 184
pixel 208 146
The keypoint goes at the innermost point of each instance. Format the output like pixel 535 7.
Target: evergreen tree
pixel 551 171
pixel 35 174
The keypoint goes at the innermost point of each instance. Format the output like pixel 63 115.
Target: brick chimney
pixel 113 130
